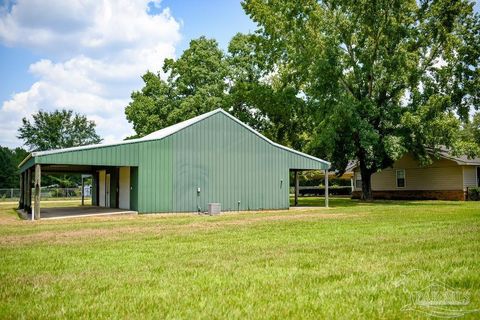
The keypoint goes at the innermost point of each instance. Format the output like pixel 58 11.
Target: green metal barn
pixel 212 158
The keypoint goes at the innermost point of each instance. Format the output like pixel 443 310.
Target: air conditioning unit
pixel 214 208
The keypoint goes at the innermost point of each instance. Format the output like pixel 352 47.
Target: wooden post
pixel 29 191
pixel 20 201
pixel 25 190
pixel 38 175
pixel 296 188
pixel 326 188
pixel 83 191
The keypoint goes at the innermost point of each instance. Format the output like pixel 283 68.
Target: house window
pixel 358 180
pixel 401 178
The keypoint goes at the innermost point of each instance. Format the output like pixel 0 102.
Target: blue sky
pixel 49 59
pixel 88 55
pixel 219 19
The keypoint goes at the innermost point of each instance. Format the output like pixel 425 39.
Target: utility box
pixel 214 208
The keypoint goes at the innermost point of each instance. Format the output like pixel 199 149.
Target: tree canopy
pixel 380 78
pixel 343 80
pixel 9 160
pixel 57 129
pixel 260 97
pixel 195 85
pixel 205 78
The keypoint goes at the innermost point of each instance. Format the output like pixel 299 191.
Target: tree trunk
pixel 366 184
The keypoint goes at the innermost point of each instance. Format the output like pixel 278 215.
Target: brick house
pixel 447 178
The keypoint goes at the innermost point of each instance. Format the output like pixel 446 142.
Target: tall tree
pixel 54 130
pixel 9 160
pixel 195 85
pixel 204 78
pixel 7 168
pixel 260 97
pixel 471 130
pixel 381 78
pixel 57 129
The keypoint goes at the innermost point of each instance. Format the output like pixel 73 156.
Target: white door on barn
pixel 101 188
pixel 124 188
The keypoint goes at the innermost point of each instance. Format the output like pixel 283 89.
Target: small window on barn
pixel 400 178
pixel 358 180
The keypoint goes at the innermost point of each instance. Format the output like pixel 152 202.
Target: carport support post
pixel 29 191
pixel 326 188
pixel 296 187
pixel 38 175
pixel 83 191
pixel 25 195
pixel 20 202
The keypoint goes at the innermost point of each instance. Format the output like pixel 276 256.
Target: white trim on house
pixel 404 178
pixel 470 177
pixel 357 177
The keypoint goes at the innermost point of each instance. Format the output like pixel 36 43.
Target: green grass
pixel 353 260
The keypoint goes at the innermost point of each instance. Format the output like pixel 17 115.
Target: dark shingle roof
pixel 443 152
pixel 462 160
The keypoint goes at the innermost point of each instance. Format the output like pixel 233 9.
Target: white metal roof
pixel 165 132
pixel 157 135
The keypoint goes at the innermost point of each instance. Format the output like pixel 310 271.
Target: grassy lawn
pixel 353 260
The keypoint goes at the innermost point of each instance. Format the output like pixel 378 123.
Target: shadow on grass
pixel 320 202
pixel 347 202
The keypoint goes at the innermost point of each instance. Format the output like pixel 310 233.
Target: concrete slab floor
pixel 77 212
pixel 305 208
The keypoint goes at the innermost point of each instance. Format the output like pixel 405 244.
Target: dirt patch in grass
pixel 118 232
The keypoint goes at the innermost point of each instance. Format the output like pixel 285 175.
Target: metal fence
pixel 47 193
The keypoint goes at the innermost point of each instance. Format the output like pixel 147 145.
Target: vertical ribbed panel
pixel 227 161
pixel 119 155
pixel 155 182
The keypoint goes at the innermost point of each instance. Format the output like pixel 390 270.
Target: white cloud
pixel 97 51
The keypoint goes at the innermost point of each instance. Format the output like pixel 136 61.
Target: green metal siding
pixel 227 161
pixel 117 155
pixel 155 176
